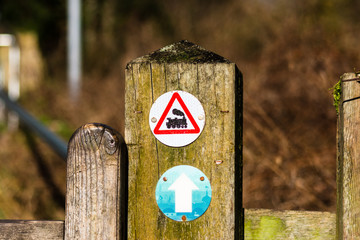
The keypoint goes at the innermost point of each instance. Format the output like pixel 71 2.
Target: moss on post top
pixel 184 52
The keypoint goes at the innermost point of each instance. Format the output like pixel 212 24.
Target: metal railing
pixel 57 144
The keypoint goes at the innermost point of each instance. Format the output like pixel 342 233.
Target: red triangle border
pixel 196 129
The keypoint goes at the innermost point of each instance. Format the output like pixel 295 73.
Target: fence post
pixel 12 74
pixel 96 195
pixel 217 84
pixel 348 159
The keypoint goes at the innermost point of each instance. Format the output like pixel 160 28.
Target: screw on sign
pixel 177 118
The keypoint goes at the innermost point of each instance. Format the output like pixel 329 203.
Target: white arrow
pixel 183 187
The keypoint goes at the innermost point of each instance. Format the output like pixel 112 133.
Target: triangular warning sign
pixel 176 123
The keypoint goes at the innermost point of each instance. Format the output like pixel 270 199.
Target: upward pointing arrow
pixel 183 188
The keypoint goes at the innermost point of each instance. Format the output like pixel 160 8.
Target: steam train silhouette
pixel 176 122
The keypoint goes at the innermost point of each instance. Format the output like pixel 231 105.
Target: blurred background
pixel 290 53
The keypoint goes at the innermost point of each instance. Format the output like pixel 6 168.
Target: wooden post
pixel 217 84
pixel 96 197
pixel 31 230
pixel 348 160
pixel 12 82
pixel 289 225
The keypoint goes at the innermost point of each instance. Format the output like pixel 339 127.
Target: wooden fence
pixel 112 187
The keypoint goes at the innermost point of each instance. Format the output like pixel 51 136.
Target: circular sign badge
pixel 177 118
pixel 183 193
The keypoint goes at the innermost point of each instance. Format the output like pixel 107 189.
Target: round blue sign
pixel 183 193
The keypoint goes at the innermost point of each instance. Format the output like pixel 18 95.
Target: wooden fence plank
pixel 267 224
pixel 217 83
pixel 348 160
pixel 31 230
pixel 96 197
pixel 259 224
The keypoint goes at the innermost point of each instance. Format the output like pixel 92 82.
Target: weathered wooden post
pixel 96 196
pixel 348 160
pixel 217 84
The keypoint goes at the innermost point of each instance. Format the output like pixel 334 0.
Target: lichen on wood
pixel 337 95
pixel 214 81
pixel 289 225
pixel 183 51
